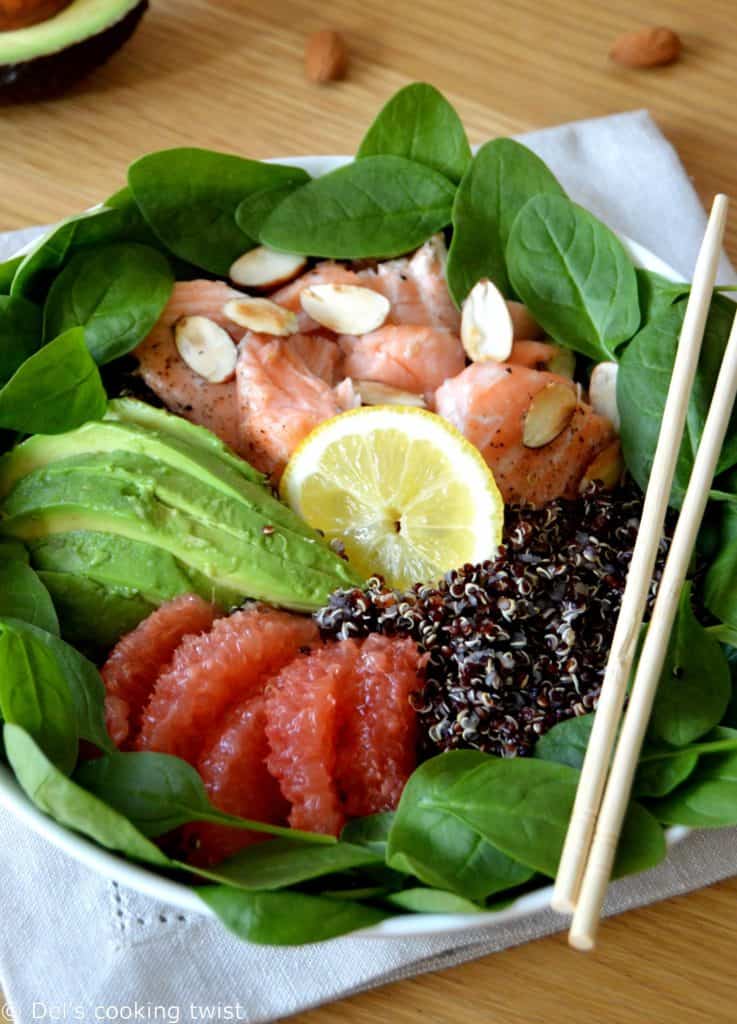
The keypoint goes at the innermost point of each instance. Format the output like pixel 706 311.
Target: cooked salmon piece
pixel 286 387
pixel 410 358
pixel 488 403
pixel 534 354
pixel 415 286
pixel 214 406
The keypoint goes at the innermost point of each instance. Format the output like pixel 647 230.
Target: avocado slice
pixel 208 459
pixel 44 59
pixel 235 544
pixel 176 510
pixel 130 410
pixel 93 616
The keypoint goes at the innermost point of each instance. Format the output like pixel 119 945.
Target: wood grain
pixel 228 74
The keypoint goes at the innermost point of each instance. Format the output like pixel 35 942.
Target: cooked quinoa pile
pixel 514 645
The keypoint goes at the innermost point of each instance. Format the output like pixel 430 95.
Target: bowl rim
pixel 145 880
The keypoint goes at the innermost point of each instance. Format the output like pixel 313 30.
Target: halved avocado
pixel 44 59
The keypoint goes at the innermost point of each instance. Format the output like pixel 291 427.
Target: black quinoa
pixel 517 644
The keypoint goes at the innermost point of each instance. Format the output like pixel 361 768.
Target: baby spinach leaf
pixel 418 123
pixel 284 862
pixel 431 901
pixel 286 918
pixel 138 227
pixel 23 596
pixel 658 777
pixel 523 806
pixel 720 592
pixel 81 677
pixel 708 799
pixel 116 292
pixel 574 276
pixel 20 333
pixel 7 273
pixel 159 792
pixel 36 271
pixel 430 842
pixel 502 177
pixel 642 387
pixel 70 805
pixel 190 197
pixel 34 693
pixel 371 831
pixel 378 206
pixel 566 742
pixel 695 685
pixel 56 389
pixel 657 294
pixel 256 208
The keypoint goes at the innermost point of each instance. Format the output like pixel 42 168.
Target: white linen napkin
pixel 76 947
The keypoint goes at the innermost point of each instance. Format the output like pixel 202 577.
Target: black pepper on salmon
pixel 514 645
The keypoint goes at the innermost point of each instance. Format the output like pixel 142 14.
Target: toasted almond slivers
pixel 345 308
pixel 266 268
pixel 262 316
pixel 487 331
pixel 526 328
pixel 603 392
pixel 607 467
pixel 549 413
pixel 562 362
pixel 372 392
pixel 206 348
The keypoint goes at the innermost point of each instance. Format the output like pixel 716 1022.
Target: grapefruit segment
pixel 238 782
pixel 341 730
pixel 210 674
pixel 136 661
pixel 301 718
pixel 376 750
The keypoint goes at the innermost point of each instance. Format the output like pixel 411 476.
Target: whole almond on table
pixel 646 48
pixel 326 56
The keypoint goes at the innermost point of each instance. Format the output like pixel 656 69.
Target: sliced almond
pixel 347 394
pixel 526 328
pixel 487 331
pixel 607 467
pixel 206 348
pixel 374 393
pixel 562 362
pixel 549 413
pixel 262 316
pixel 345 308
pixel 603 392
pixel 266 268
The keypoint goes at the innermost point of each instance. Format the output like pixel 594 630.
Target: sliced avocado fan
pixel 123 514
pixel 45 58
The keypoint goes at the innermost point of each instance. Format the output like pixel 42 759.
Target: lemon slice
pixel 404 491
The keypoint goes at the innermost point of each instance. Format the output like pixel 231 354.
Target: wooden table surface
pixel 228 74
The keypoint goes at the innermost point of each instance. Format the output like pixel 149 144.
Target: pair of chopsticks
pixel 605 783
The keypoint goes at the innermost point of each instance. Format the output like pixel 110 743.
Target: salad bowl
pixel 146 881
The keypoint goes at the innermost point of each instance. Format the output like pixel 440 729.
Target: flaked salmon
pixel 410 358
pixel 214 406
pixel 286 387
pixel 488 403
pixel 414 285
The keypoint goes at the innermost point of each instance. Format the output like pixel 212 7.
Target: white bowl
pixel 147 881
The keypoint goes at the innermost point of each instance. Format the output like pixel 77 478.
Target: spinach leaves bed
pixel 471 832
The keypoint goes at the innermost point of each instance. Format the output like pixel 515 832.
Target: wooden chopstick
pixel 634 599
pixel 619 785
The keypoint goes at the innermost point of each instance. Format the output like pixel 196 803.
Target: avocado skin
pixel 53 74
